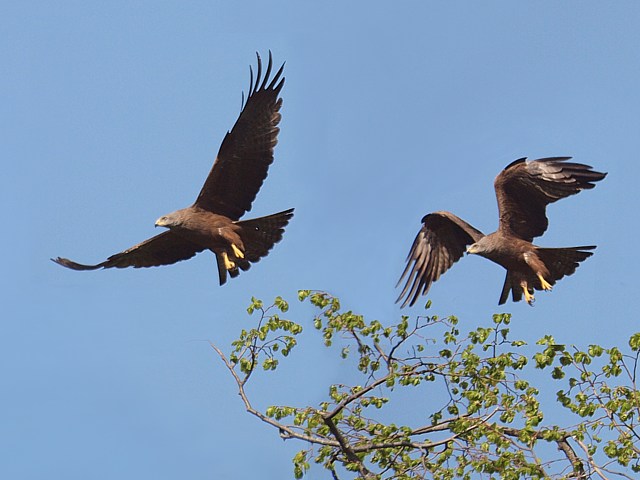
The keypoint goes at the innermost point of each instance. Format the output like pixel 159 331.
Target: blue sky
pixel 112 115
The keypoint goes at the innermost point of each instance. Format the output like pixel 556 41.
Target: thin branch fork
pixel 563 446
pixel 285 431
pixel 344 446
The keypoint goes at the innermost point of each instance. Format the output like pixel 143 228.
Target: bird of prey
pixel 523 190
pixel 212 222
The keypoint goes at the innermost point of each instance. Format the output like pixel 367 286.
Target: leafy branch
pixel 484 418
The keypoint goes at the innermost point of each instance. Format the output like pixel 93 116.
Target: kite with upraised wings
pixel 523 190
pixel 212 222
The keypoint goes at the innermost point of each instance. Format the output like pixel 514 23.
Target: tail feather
pixel 259 235
pixel 510 285
pixel 563 261
pixel 222 272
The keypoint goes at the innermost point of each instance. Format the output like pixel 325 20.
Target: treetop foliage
pixel 484 417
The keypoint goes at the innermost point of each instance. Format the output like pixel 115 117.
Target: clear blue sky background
pixel 112 113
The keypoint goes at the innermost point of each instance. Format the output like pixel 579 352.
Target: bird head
pixel 474 248
pixel 171 220
pixel 485 246
pixel 481 247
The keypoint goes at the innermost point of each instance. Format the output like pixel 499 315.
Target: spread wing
pixel 524 189
pixel 163 249
pixel 440 243
pixel 247 150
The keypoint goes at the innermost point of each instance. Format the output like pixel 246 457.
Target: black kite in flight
pixel 523 190
pixel 212 222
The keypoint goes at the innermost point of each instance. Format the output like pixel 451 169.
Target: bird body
pixel 207 229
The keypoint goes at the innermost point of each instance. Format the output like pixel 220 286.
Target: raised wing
pixel 163 249
pixel 247 150
pixel 440 243
pixel 524 189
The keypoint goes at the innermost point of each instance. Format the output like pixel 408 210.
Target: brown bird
pixel 523 190
pixel 212 222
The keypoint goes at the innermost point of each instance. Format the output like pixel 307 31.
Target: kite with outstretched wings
pixel 213 221
pixel 523 190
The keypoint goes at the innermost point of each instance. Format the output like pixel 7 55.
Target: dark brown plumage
pixel 523 190
pixel 212 222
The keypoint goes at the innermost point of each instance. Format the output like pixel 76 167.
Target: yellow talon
pixel 545 285
pixel 228 264
pixel 236 251
pixel 527 296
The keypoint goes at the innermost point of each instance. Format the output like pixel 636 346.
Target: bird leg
pixel 527 296
pixel 228 264
pixel 237 252
pixel 545 285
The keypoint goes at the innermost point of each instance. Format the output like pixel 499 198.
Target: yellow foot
pixel 527 296
pixel 545 285
pixel 228 264
pixel 236 251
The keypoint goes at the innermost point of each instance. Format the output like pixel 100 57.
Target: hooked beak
pixel 161 222
pixel 472 248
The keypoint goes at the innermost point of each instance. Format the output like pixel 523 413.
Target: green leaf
pixel 634 342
